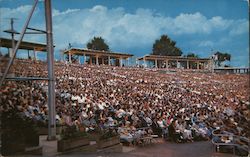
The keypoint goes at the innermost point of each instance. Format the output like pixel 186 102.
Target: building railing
pixel 230 141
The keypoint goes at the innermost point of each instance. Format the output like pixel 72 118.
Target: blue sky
pixel 132 26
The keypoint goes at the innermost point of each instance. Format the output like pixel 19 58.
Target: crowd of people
pixel 181 106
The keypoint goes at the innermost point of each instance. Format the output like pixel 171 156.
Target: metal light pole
pixel 50 60
pixel 51 83
pixel 12 32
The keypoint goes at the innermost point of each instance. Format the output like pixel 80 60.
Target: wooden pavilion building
pixel 176 62
pixel 97 57
pixel 232 70
pixel 25 45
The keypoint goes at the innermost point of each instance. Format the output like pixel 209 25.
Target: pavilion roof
pixel 26 45
pixel 181 58
pixel 82 51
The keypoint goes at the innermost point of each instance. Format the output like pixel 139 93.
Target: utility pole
pixel 50 59
pixel 12 32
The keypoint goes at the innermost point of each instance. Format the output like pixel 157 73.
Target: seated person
pixel 125 134
pixel 174 135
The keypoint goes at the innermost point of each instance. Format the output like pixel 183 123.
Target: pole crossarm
pixel 34 33
pixel 37 30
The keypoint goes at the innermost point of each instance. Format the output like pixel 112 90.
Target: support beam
pixel 144 62
pixel 202 65
pixel 187 64
pixel 28 54
pixel 50 59
pixel 102 60
pixel 212 65
pixel 90 60
pixel 198 65
pixel 156 64
pixel 10 51
pixel 34 53
pixel 108 60
pixel 166 63
pixel 120 61
pixel 84 57
pixel 61 56
pixel 96 60
pixel 70 59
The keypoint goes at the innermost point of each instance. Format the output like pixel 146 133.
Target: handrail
pixel 231 135
pixel 232 142
pixel 223 144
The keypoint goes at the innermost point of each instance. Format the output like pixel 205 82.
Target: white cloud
pixel 139 28
pixel 206 44
pixel 198 23
pixel 20 14
pixel 98 9
pixel 17 12
pixel 122 29
pixel 58 13
pixel 210 44
pixel 191 23
pixel 241 27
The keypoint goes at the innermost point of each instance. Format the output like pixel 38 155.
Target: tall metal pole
pixel 12 37
pixel 50 60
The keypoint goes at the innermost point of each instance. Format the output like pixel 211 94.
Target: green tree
pixel 98 43
pixel 193 55
pixel 221 57
pixel 166 47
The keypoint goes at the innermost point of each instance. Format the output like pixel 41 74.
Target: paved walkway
pixel 163 149
pixel 158 149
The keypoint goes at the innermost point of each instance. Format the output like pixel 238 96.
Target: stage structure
pixel 97 57
pixel 49 48
pixel 176 62
pixel 30 46
pixel 232 70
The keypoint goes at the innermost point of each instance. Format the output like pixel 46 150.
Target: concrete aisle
pixel 162 149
